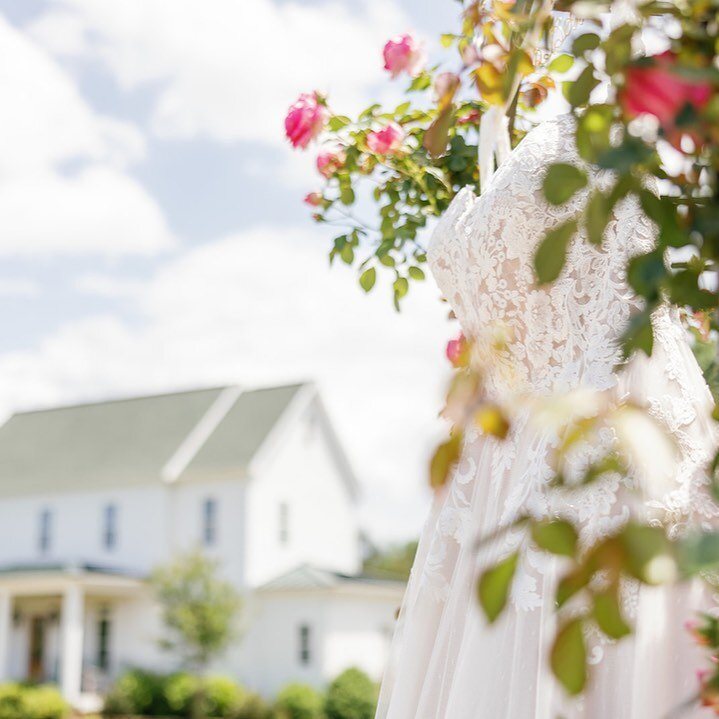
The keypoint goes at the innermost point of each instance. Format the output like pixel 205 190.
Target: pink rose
pixel 456 350
pixel 387 140
pixel 329 162
pixel 314 199
pixel 306 119
pixel 659 90
pixel 471 117
pixel 403 53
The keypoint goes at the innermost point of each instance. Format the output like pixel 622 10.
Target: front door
pixel 36 667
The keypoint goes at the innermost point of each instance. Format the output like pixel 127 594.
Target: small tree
pixel 199 611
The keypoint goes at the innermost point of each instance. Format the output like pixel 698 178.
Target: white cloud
pixel 261 307
pixel 101 285
pixel 97 211
pixel 45 121
pixel 18 287
pixel 228 70
pixel 46 127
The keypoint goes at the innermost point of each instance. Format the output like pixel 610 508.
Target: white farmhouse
pixel 93 496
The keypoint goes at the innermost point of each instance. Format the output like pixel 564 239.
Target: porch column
pixel 5 629
pixel 73 602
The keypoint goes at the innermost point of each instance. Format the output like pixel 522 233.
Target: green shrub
pixel 352 695
pixel 31 702
pixel 255 707
pixel 180 690
pixel 43 702
pixel 224 697
pixel 138 692
pixel 299 701
pixel 149 694
pixel 11 704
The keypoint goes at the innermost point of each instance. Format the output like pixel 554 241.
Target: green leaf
pixel 639 335
pixel 421 82
pixel 556 536
pixel 593 131
pixel 684 289
pixel 578 91
pixel 608 615
pixel 569 656
pixel 401 287
pixel 347 195
pixel 698 551
pixel 367 279
pixel 631 152
pixel 644 545
pixel 618 48
pixel 562 181
pixel 571 584
pixel 445 457
pixel 416 273
pixel 585 42
pixel 494 586
pixel 645 274
pixel 402 109
pixel 347 254
pixel 596 217
pixel 337 122
pixel 561 63
pixel 552 252
pixel 446 39
pixel 437 135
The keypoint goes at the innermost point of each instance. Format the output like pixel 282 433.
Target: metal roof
pixel 129 441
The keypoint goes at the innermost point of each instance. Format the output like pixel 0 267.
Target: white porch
pixel 56 625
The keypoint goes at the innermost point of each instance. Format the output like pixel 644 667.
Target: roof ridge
pixel 119 400
pixel 200 433
pixel 157 395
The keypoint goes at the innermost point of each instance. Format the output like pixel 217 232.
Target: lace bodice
pixel 481 254
pixel 559 337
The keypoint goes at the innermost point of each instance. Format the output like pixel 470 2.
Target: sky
pixel 152 233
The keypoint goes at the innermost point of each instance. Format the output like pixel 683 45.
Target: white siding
pixel 347 630
pixel 301 473
pixel 187 500
pixel 77 527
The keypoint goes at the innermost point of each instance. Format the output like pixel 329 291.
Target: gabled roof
pixel 131 441
pixel 309 577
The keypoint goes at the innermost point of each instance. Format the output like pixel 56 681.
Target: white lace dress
pixel 446 662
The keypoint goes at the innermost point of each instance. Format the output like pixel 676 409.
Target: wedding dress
pixel 446 662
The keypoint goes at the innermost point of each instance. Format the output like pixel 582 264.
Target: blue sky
pixel 152 233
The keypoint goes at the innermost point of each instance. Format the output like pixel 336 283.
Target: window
pixel 305 654
pixel 109 529
pixel 45 538
pixel 283 532
pixel 209 521
pixel 103 640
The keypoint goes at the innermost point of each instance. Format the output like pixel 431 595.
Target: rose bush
pixel 648 120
